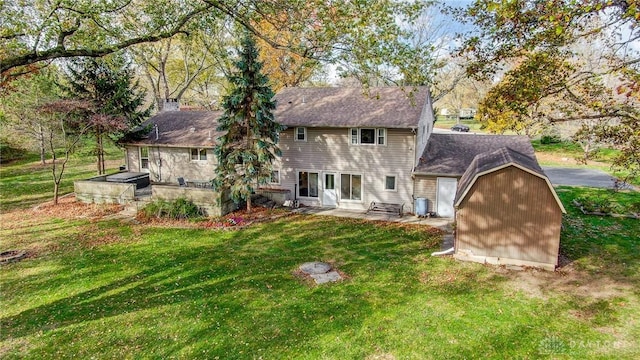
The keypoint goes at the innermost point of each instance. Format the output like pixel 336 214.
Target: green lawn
pixel 25 183
pixel 108 289
pixel 565 154
pixel 105 289
pixel 444 122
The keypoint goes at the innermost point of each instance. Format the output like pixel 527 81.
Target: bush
pixel 177 209
pixel 597 204
pixel 550 139
pixel 9 153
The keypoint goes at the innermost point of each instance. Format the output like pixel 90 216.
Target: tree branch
pixel 59 51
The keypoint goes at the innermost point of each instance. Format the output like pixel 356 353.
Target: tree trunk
pixel 43 154
pixel 249 204
pixel 100 153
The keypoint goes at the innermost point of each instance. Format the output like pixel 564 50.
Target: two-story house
pixel 341 148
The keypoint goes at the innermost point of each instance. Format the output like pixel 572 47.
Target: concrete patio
pixel 444 224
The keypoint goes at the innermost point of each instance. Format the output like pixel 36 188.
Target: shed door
pixel 445 196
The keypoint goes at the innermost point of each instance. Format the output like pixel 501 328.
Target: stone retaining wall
pixel 97 190
pixel 207 199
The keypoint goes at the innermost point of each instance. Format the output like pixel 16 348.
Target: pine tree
pixel 247 150
pixel 110 85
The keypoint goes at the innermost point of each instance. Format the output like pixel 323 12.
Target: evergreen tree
pixel 250 144
pixel 109 84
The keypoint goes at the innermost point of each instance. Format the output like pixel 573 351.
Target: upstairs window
pixel 144 157
pixel 368 136
pixel 301 134
pixel 382 136
pixel 198 154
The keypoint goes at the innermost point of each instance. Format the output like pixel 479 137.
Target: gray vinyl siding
pixel 133 158
pixel 426 187
pixel 425 127
pixel 329 150
pixel 167 164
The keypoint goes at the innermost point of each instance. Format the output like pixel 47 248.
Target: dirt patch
pixel 567 280
pixel 233 221
pixel 69 208
pixel 12 256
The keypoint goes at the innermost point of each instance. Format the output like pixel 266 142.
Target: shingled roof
pixel 390 107
pixel 495 160
pixel 182 129
pixel 451 154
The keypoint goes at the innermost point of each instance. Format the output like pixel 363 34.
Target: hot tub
pixel 141 179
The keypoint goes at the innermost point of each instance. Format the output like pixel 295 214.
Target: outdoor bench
pixel 385 208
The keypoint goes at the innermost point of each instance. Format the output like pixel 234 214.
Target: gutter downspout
pixel 413 180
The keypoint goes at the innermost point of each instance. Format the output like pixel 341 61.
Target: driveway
pixel 580 177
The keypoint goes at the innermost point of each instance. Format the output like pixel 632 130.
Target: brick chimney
pixel 171 105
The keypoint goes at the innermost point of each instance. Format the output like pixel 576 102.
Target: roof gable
pixel 501 158
pixel 391 107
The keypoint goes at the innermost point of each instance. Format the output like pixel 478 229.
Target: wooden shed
pixel 507 212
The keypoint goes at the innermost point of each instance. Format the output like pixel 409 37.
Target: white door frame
pixel 330 196
pixel 445 184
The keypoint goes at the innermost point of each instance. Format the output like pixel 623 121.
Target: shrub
pixel 177 209
pixel 550 139
pixel 597 204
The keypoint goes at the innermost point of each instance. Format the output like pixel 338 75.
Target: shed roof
pixel 391 107
pixel 451 154
pixel 501 158
pixel 182 128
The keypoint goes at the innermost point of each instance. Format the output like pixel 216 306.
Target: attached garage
pixel 507 212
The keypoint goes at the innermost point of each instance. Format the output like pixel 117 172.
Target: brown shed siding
pixel 512 214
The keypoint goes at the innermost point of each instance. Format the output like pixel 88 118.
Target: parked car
pixel 460 127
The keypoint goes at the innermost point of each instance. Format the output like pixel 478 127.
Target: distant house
pixel 507 211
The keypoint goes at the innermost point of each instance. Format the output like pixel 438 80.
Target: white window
pixel 301 134
pixel 307 184
pixel 351 187
pixel 382 136
pixel 390 183
pixel 275 177
pixel 365 136
pixel 198 154
pixel 144 157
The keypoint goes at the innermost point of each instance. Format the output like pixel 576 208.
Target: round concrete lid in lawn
pixel 315 268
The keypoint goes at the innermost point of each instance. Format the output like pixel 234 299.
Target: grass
pixel 565 154
pixel 106 289
pixel 446 123
pixel 97 288
pixel 26 182
pixel 602 245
